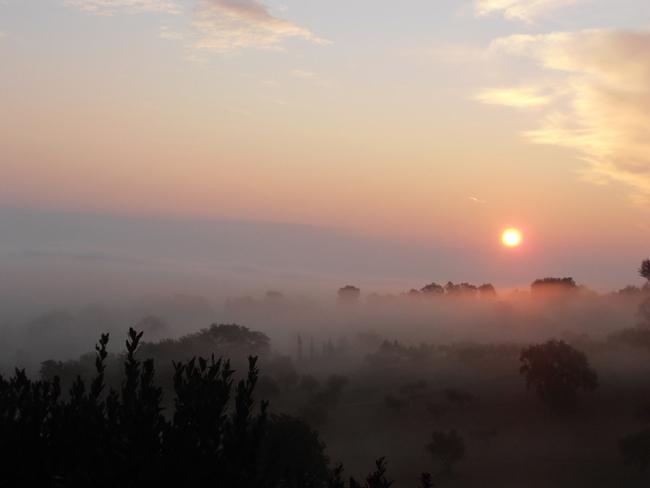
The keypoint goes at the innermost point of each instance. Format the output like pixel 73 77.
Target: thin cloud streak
pixel 113 7
pixel 523 97
pixel 304 75
pixel 170 34
pixel 521 10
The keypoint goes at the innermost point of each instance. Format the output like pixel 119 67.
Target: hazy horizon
pixel 94 254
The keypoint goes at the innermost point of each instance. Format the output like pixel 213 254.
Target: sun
pixel 511 237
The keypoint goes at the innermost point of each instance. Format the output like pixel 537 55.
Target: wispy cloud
pixel 602 103
pixel 522 10
pixel 228 26
pixel 170 34
pixel 112 7
pixel 304 75
pixel 521 97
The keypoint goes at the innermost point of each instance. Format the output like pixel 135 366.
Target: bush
pixel 557 371
pixel 447 448
pixel 121 438
pixel 635 449
pixel 214 435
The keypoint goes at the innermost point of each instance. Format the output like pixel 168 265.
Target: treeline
pixel 215 433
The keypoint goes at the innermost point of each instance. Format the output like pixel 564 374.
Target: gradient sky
pixel 432 123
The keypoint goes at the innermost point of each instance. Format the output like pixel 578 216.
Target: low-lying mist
pixel 445 317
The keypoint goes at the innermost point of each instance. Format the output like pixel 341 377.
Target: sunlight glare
pixel 511 237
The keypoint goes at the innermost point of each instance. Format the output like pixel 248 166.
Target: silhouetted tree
pixel 120 437
pixel 630 291
pixel 294 455
pixel 308 383
pixel 392 352
pixel 644 307
pixel 299 347
pixel 378 478
pixel 644 270
pixel 349 295
pixel 557 371
pixel 214 434
pixel 436 410
pixel 315 412
pixel 461 289
pixel 484 435
pixel 426 481
pixel 432 289
pixel 545 286
pixel 414 389
pixel 635 449
pixel 487 290
pixel 283 371
pixel 225 340
pixel 634 337
pixel 273 295
pixel 394 404
pixel 268 387
pixel 458 398
pixel 447 448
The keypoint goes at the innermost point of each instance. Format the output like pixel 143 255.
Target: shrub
pixel 557 371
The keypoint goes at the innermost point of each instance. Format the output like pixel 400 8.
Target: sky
pixel 427 124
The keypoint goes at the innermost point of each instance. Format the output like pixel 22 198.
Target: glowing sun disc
pixel 511 237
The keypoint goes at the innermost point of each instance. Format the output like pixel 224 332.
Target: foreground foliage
pixel 216 433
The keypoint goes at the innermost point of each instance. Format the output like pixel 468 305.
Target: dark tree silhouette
pixel 644 270
pixel 349 294
pixel 426 481
pixel 394 404
pixel 458 398
pixel 308 383
pixel 557 371
pixel 120 438
pixel 299 347
pixel 294 455
pixel 635 449
pixel 446 448
pixel 316 411
pixel 630 291
pixel 432 289
pixel 545 286
pixel 487 290
pixel 644 307
pixel 376 479
pixel 436 410
pixel 634 337
pixel 461 289
pixel 224 340
pixel 213 435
